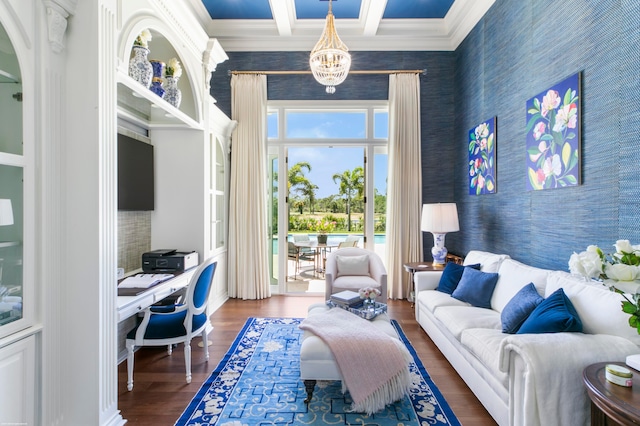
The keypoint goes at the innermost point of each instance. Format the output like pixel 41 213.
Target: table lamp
pixel 439 219
pixel 6 218
pixel 6 212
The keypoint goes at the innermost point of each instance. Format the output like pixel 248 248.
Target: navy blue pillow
pixel 476 287
pixel 519 308
pixel 451 276
pixel 554 314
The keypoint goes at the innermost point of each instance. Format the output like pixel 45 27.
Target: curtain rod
pixel 423 72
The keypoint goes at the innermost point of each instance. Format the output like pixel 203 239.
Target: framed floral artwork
pixel 553 136
pixel 482 158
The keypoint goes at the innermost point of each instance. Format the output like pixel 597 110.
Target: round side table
pixel 610 401
pixel 413 267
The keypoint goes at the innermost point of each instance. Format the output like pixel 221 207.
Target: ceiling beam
pixel 371 14
pixel 283 11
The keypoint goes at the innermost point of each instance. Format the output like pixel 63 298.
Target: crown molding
pixel 367 33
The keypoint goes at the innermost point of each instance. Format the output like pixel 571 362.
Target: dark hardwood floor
pixel 161 393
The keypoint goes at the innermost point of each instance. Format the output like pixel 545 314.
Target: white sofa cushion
pixel 489 262
pixel 484 344
pixel 598 308
pixel 460 318
pixel 432 299
pixel 514 275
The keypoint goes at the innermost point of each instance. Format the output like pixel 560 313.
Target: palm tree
pixel 309 190
pixel 297 181
pixel 351 186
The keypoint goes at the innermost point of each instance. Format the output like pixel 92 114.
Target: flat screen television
pixel 135 175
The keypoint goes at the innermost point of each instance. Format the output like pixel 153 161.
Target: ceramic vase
pixel 140 68
pixel 172 94
pixel 156 81
pixel 322 238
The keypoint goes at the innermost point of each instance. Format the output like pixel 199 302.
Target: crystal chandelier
pixel 330 59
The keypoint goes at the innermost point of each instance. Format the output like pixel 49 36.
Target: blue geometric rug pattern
pixel 258 383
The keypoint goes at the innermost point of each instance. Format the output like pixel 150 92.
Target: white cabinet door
pixel 17 367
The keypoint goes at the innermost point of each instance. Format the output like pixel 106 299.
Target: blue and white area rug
pixel 258 383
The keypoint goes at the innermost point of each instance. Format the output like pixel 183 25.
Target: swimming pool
pixel 332 239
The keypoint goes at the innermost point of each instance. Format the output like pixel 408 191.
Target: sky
pixel 327 161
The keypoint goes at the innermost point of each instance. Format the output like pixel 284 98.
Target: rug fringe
pixel 393 390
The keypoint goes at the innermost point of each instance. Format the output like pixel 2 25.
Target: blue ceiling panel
pixel 403 9
pixel 317 9
pixel 238 9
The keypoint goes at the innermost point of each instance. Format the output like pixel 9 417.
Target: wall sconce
pixel 439 219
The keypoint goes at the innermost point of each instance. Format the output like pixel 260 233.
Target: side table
pixel 413 267
pixel 610 401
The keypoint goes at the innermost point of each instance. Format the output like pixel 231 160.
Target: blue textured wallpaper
pixel 519 49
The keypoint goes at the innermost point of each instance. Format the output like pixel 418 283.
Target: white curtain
pixel 248 232
pixel 404 198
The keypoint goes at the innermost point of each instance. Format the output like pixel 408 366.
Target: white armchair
pixel 353 268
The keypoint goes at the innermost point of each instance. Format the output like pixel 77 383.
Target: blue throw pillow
pixel 476 287
pixel 519 308
pixel 451 276
pixel 554 314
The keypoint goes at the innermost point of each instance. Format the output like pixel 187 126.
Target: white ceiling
pixel 368 32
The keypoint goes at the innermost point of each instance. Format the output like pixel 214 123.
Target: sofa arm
pixel 426 280
pixel 547 368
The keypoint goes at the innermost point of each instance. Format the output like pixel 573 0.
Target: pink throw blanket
pixel 374 366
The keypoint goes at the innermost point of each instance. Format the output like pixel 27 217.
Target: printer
pixel 168 260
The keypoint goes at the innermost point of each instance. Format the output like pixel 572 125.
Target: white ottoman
pixel 316 359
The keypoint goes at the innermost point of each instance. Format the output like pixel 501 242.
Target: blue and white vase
pixel 172 94
pixel 139 67
pixel 156 81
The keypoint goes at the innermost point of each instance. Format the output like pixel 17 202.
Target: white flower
pixel 623 246
pixel 587 263
pixel 622 272
pixel 173 68
pixel 143 38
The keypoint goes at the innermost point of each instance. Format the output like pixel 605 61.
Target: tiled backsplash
pixel 134 238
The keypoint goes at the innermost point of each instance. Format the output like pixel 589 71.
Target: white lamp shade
pixel 440 218
pixel 6 212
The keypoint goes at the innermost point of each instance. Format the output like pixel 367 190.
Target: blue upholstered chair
pixel 169 325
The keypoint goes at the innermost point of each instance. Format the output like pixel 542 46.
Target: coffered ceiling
pixel 296 25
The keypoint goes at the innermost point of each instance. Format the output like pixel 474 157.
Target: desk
pixel 609 401
pixel 131 305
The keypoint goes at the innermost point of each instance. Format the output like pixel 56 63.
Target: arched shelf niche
pixel 141 106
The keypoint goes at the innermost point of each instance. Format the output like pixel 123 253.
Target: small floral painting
pixel 553 136
pixel 482 158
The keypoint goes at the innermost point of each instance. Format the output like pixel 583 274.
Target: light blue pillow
pixel 451 276
pixel 476 287
pixel 519 308
pixel 554 314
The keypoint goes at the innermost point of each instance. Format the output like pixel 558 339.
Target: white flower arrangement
pixel 173 68
pixel 623 265
pixel 369 293
pixel 143 38
pixel 613 269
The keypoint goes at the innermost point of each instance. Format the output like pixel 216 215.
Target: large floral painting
pixel 482 158
pixel 553 136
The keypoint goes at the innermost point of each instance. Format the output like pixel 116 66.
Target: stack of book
pixel 346 299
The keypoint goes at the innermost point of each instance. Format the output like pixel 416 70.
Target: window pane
pixel 11 237
pixel 272 124
pixel 381 124
pixel 324 125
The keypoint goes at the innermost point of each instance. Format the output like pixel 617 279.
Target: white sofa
pixel 525 379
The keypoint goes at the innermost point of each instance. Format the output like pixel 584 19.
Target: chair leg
pixel 205 344
pixel 187 359
pixel 130 358
pixel 169 349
